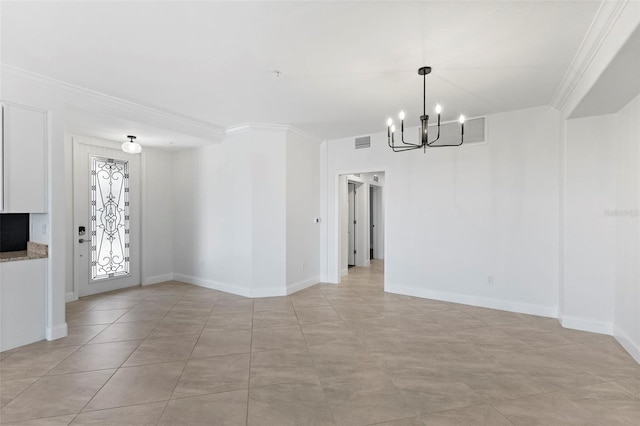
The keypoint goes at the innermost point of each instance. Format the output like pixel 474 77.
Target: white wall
pixel 303 206
pixel 157 216
pixel 212 217
pixel 269 213
pixel 627 261
pixel 244 210
pixel 589 268
pixel 460 215
pixel 601 230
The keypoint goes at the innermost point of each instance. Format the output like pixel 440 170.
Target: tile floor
pixel 175 354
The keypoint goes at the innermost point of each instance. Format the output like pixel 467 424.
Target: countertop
pixel 34 251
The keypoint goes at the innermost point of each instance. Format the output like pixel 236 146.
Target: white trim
pixel 157 279
pixel 484 302
pixel 214 285
pixel 70 296
pixel 301 285
pixel 231 288
pixel 56 331
pixel 586 324
pixel 187 125
pixel 627 343
pixel 247 127
pixel 344 272
pixel 610 25
pixel 267 292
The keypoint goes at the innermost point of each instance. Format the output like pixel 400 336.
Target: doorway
pixel 106 218
pixel 361 228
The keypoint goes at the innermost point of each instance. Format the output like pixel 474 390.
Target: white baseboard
pixel 268 292
pixel 70 296
pixel 627 343
pixel 301 285
pixel 233 289
pixel 56 331
pixel 344 272
pixel 484 302
pixel 585 324
pixel 214 285
pixel 157 279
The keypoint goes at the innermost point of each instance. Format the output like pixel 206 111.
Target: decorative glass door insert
pixel 109 218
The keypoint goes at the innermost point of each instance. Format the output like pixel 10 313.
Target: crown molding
pixel 248 127
pixel 84 98
pixel 613 23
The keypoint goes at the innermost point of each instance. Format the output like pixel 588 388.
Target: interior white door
pixel 106 202
pixel 351 226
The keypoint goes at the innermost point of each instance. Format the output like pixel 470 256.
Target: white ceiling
pixel 345 66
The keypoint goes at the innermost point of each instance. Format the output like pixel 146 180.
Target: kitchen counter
pixel 33 251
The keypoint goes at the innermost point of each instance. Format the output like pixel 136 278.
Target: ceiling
pixel 344 67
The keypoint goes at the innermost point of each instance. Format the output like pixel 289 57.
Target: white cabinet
pixel 24 160
pixel 22 302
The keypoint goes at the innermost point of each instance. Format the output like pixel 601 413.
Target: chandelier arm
pixel 409 143
pixel 403 148
pixel 394 148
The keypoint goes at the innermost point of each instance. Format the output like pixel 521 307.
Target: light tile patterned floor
pixel 175 354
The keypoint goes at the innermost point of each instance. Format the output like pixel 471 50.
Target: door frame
pixel 334 262
pixel 351 223
pixel 136 261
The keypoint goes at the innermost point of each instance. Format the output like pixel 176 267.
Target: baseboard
pixel 56 331
pixel 70 296
pixel 268 292
pixel 344 272
pixel 157 279
pixel 484 302
pixel 627 343
pixel 301 285
pixel 585 324
pixel 212 284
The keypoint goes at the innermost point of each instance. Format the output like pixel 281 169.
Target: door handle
pixel 82 240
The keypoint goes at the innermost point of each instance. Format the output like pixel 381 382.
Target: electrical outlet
pixel 490 280
pixel 44 229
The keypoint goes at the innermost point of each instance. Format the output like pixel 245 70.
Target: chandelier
pixel 131 147
pixel 424 125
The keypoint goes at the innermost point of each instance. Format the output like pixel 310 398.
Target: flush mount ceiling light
pixel 131 147
pixel 424 125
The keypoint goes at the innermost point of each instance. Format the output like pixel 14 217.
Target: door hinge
pixel 354 252
pixel 354 222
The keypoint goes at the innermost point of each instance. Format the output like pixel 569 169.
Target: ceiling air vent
pixel 474 132
pixel 363 142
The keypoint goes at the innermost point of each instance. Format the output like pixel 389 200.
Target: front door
pixel 106 202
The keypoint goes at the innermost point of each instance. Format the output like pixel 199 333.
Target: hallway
pixel 345 354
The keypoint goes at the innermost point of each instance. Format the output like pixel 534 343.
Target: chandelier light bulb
pixel 461 119
pixel 401 115
pixel 438 109
pixel 389 122
pixel 393 129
